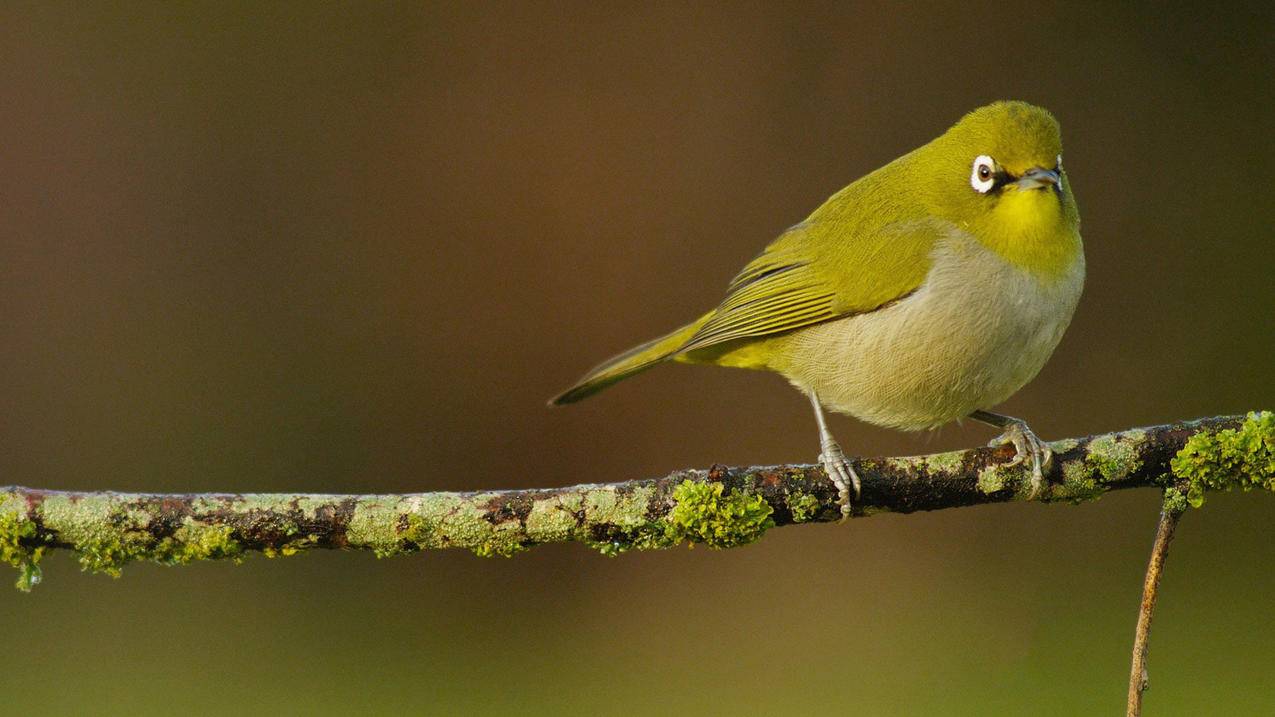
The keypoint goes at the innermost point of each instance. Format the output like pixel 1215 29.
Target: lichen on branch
pixel 1242 457
pixel 721 507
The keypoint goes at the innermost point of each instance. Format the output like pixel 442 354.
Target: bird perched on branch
pixel 929 290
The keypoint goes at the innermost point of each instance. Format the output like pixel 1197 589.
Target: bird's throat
pixel 1031 230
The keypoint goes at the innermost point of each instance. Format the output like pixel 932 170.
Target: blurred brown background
pixel 348 248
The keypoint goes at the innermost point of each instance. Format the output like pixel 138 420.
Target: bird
pixel 927 291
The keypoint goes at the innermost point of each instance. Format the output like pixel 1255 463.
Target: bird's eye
pixel 983 176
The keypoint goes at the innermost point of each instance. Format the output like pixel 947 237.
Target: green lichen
pixel 901 465
pixel 1105 459
pixel 290 548
pixel 1115 457
pixel 1064 445
pixel 104 534
pixel 110 553
pixel 803 506
pixel 196 541
pixel 371 527
pixel 120 539
pixel 702 514
pixel 29 573
pixel 417 531
pixel 14 529
pixel 1079 481
pixel 505 542
pixel 108 534
pixel 1175 501
pixel 945 462
pixel 1223 460
pixel 453 520
pixel 993 478
pixel 395 525
pixel 651 535
pixel 624 516
pixel 623 508
pixel 554 519
pixel 192 541
pixel 467 526
pixel 610 548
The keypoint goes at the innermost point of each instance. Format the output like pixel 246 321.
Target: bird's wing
pixel 806 277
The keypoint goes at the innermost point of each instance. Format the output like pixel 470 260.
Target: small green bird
pixel 929 290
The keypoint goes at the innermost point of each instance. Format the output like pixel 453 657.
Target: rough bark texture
pixel 721 507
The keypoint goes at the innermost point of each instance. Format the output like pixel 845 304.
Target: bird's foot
pixel 1026 444
pixel 841 473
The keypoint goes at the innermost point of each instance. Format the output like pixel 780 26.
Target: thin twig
pixel 1169 516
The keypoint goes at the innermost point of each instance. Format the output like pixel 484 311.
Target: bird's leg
pixel 834 461
pixel 1025 444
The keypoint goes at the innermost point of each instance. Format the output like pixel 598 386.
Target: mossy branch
pixel 719 507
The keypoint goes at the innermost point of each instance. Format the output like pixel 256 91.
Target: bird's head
pixel 998 174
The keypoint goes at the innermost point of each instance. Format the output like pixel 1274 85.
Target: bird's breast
pixel 975 332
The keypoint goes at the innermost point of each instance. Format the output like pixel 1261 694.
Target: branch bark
pixel 720 506
pixel 1138 680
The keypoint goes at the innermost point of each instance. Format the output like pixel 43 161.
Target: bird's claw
pixel 842 475
pixel 1026 444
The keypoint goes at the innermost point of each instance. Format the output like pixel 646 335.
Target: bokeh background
pixel 354 247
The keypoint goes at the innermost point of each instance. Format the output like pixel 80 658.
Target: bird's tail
pixel 633 361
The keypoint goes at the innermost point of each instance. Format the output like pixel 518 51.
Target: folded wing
pixel 804 278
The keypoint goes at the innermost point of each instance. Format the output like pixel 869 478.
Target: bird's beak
pixel 1036 178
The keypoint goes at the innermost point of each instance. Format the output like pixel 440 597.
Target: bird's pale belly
pixel 975 332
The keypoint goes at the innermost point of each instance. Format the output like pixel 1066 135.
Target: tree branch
pixel 721 507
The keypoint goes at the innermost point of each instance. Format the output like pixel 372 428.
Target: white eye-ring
pixel 1058 163
pixel 983 175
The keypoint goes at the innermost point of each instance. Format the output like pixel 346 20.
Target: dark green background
pixel 348 248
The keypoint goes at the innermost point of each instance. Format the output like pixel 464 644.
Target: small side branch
pixel 1169 516
pixel 720 507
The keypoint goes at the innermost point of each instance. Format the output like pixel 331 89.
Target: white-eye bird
pixel 929 290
